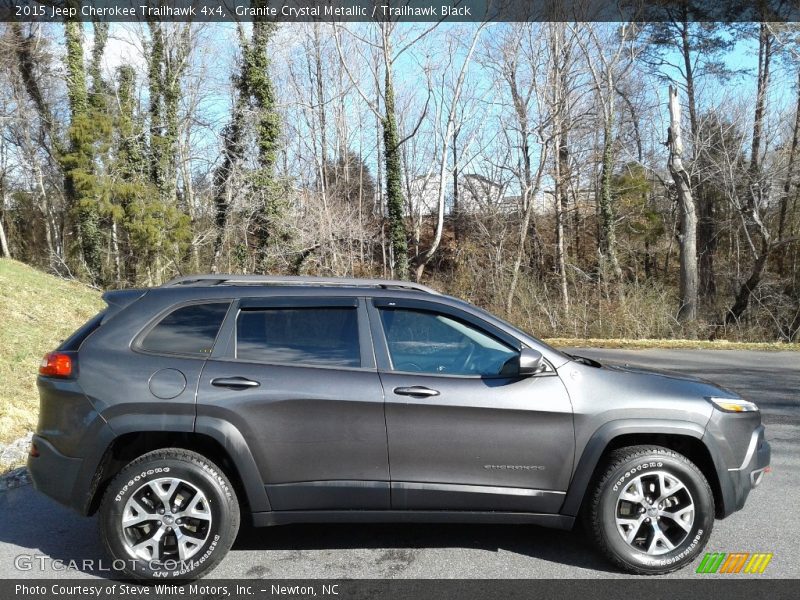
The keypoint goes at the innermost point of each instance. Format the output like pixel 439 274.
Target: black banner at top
pixel 399 10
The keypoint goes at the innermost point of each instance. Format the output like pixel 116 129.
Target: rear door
pixel 297 377
pixel 464 431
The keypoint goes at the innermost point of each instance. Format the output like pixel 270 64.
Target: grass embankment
pixel 37 311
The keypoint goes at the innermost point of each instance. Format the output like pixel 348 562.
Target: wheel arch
pixel 214 439
pixel 683 437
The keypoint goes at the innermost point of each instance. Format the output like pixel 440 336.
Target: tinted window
pixel 317 336
pixel 429 342
pixel 74 341
pixel 188 330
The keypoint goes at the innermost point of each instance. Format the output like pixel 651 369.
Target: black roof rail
pixel 293 280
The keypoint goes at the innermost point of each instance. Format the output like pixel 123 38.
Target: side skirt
pixel 285 517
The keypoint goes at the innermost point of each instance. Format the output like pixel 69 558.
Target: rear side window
pixel 313 336
pixel 189 330
pixel 73 342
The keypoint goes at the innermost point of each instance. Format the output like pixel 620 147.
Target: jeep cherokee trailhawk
pixel 179 409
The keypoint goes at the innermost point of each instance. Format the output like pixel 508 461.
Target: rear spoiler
pixel 119 299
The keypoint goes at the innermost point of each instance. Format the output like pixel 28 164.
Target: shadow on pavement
pixel 564 547
pixel 36 531
pixel 34 526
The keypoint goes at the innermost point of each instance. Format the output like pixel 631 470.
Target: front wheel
pixel 652 510
pixel 169 514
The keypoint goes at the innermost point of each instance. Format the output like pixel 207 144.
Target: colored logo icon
pixel 734 562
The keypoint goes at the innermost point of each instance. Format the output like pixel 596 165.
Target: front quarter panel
pixel 602 395
pixel 610 402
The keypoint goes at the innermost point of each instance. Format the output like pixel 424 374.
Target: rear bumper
pixel 53 473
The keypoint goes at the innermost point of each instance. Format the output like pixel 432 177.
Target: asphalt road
pixel 32 526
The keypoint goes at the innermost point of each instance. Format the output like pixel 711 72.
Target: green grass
pixel 37 311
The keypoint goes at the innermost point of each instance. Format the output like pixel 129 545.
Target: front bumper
pixel 749 475
pixel 740 469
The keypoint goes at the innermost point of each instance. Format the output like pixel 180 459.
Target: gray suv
pixel 179 409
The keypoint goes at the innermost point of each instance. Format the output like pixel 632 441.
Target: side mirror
pixel 531 362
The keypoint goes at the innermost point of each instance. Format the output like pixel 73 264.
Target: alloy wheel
pixel 166 519
pixel 655 512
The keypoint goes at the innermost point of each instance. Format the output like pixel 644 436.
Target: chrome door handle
pixel 236 383
pixel 416 390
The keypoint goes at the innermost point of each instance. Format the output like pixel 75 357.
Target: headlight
pixel 734 405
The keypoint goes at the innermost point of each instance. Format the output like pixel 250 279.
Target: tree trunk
pixel 232 153
pixel 560 196
pixel 529 193
pixel 115 252
pixel 706 227
pixel 748 287
pixel 456 208
pixel 608 237
pixel 688 234
pixel 762 85
pixel 4 251
pixel 787 183
pixel 321 107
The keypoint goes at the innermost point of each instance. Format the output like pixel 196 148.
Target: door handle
pixel 416 390
pixel 236 383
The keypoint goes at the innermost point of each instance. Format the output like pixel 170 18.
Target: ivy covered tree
pixel 270 204
pixel 88 138
pixel 395 204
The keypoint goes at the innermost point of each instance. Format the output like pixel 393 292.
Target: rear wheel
pixel 171 513
pixel 652 510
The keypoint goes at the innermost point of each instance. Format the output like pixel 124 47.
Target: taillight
pixel 56 364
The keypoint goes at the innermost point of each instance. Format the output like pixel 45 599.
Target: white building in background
pixel 423 195
pixel 476 195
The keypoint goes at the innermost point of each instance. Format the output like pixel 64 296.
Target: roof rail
pixel 211 280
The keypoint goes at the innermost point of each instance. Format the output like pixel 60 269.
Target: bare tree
pixel 687 310
pixel 450 112
pixel 608 61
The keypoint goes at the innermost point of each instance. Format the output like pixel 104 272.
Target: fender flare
pixel 224 433
pixel 600 440
pixel 233 442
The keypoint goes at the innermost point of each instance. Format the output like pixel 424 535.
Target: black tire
pixel 217 500
pixel 622 469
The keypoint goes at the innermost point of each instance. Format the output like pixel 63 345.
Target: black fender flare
pixel 233 442
pixel 604 435
pixel 224 433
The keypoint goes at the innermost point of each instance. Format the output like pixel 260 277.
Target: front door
pixel 297 377
pixel 464 431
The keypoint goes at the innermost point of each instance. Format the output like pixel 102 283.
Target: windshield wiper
pixel 585 361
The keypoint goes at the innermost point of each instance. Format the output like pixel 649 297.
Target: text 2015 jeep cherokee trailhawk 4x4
pixel 313 399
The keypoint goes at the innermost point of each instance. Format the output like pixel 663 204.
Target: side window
pixel 428 342
pixel 189 330
pixel 312 336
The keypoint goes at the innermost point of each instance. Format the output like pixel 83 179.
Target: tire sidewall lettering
pixel 143 476
pixel 636 470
